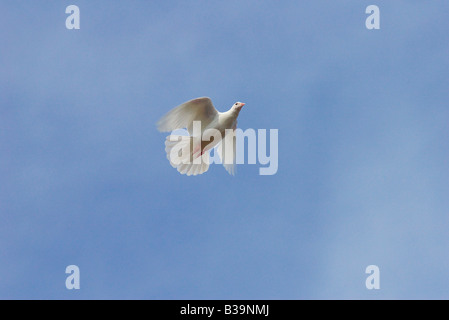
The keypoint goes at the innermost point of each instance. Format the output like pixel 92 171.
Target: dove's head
pixel 238 105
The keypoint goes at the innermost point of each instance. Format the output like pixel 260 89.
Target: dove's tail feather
pixel 184 154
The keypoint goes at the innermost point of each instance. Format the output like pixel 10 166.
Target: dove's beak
pixel 243 104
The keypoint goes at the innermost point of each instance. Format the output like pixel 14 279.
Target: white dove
pixel 195 160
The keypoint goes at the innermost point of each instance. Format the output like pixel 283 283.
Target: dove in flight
pixel 217 128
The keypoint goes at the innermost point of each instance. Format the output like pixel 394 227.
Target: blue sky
pixel 363 156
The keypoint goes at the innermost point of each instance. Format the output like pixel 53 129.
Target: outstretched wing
pixel 199 109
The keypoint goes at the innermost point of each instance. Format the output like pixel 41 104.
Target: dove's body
pixel 183 116
pixel 222 122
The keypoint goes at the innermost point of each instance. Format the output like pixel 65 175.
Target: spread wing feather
pixel 199 109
